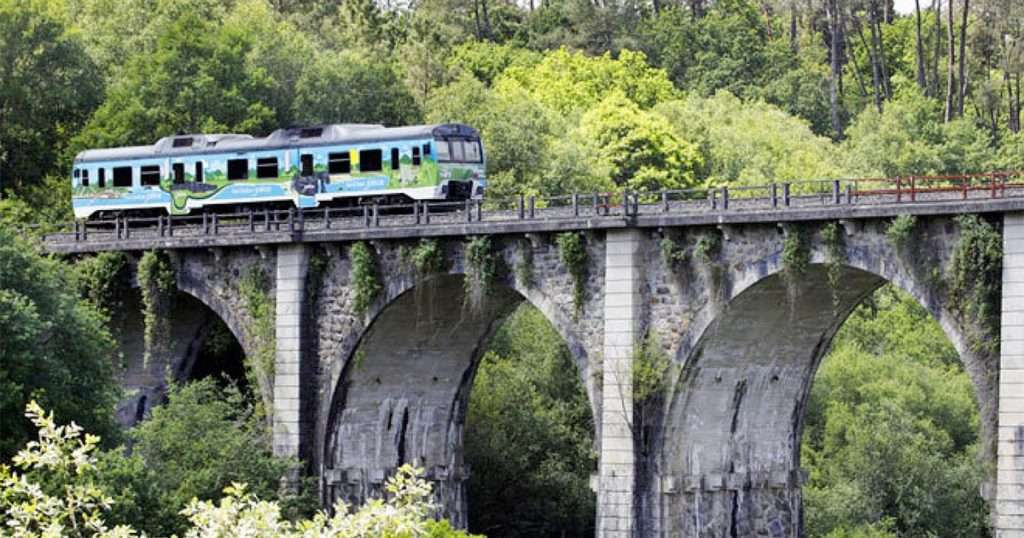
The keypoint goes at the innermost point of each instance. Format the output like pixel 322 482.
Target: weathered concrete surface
pixel 1009 507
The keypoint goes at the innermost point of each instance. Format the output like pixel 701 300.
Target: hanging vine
pixel 672 254
pixel 572 250
pixel 481 269
pixel 834 238
pixel 705 254
pixel 103 279
pixel 317 269
pixel 975 281
pixel 254 289
pixel 427 257
pixel 901 231
pixel 156 282
pixel 524 264
pixel 796 257
pixel 363 276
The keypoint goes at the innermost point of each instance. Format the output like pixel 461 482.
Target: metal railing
pixel 621 205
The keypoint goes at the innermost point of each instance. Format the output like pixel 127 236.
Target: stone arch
pixel 340 330
pixel 728 458
pixel 202 294
pixel 370 425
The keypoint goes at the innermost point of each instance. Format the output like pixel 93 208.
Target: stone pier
pixel 1009 509
pixel 622 302
pixel 292 265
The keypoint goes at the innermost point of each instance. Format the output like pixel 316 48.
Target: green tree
pixel 640 149
pixel 891 430
pixel 571 82
pixel 529 436
pixel 48 89
pixel 750 143
pixel 723 50
pixel 906 139
pixel 197 79
pixel 56 347
pixel 372 91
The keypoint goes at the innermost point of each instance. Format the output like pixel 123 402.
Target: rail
pixel 622 205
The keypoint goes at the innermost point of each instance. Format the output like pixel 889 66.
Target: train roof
pixel 314 135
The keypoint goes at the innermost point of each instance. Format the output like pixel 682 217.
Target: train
pixel 301 167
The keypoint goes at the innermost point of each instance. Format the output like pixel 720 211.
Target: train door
pixel 199 172
pixel 306 160
pixel 179 173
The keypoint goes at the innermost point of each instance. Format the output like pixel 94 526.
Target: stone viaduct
pixel 356 392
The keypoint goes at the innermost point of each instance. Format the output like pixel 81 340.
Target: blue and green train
pixel 336 165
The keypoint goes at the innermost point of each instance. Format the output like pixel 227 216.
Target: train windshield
pixel 458 150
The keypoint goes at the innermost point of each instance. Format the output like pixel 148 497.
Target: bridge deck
pixel 770 203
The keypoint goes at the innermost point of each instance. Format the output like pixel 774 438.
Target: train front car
pixel 460 161
pixel 362 164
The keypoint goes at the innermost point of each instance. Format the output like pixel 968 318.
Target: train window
pixel 307 165
pixel 339 163
pixel 85 177
pixel 199 172
pixel 426 150
pixel 370 160
pixel 416 156
pixel 238 169
pixel 472 151
pixel 442 150
pixel 394 158
pixel 77 173
pixel 185 142
pixel 123 176
pixel 457 152
pixel 266 168
pixel 150 175
pixel 311 133
pixel 179 173
pixel 102 179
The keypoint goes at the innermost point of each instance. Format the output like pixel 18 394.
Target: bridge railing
pixel 769 197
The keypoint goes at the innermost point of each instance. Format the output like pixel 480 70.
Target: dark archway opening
pixel 529 436
pixel 218 356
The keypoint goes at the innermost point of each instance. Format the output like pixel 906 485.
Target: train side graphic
pixel 335 165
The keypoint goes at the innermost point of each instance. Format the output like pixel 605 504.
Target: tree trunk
pixel 951 65
pixel 876 40
pixel 962 91
pixel 922 84
pixel 856 66
pixel 794 41
pixel 876 74
pixel 836 68
pixel 934 85
pixel 1013 97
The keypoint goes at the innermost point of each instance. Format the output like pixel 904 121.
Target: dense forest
pixel 570 95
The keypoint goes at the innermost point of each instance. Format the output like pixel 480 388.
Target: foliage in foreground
pixel 57 494
pixel 203 439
